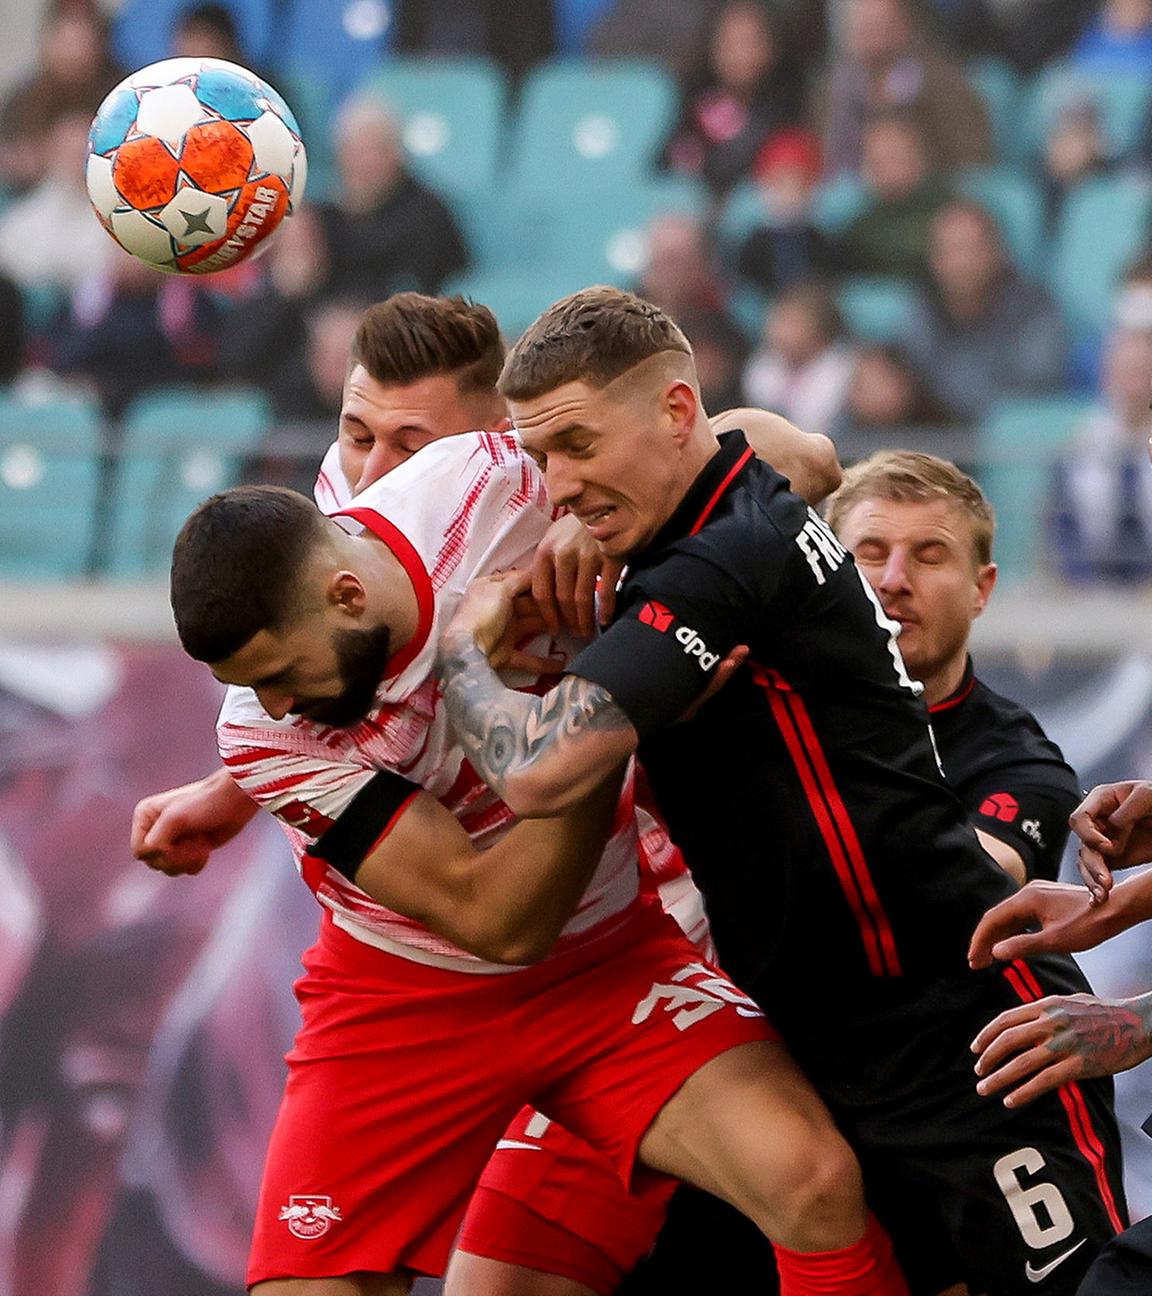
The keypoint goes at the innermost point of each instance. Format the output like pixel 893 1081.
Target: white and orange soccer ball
pixel 193 163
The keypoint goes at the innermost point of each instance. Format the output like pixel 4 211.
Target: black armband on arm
pixel 370 814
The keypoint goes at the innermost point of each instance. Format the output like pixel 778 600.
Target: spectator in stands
pixel 803 366
pixel 978 331
pixel 887 61
pixel 1074 151
pixel 12 330
pixel 75 72
pixel 1024 33
pixel 888 404
pixel 787 247
pixel 49 238
pixel 207 31
pixel 385 231
pixel 681 277
pixel 1119 39
pixel 749 86
pixel 890 236
pixel 515 35
pixel 128 328
pixel 1102 490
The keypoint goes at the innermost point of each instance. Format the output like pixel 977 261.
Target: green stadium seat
pixel 876 307
pixel 839 201
pixel 50 466
pixel 1016 447
pixel 453 117
pixel 743 212
pixel 1124 99
pixel 1103 226
pixel 516 297
pixel 1015 202
pixel 584 125
pixel 999 86
pixel 604 239
pixel 178 446
pixel 310 99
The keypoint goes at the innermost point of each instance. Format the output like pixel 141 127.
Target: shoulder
pixel 1004 735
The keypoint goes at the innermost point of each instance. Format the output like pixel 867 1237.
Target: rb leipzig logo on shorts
pixel 309 1217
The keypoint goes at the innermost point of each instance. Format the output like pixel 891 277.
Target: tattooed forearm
pixel 575 732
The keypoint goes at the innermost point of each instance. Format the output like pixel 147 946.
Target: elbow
pixel 514 949
pixel 826 473
pixel 540 794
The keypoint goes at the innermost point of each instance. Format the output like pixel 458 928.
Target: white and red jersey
pixel 464 507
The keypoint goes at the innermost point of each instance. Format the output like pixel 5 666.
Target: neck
pixel 945 680
pixel 391 597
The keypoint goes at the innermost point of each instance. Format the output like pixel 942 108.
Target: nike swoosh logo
pixel 1038 1275
pixel 535 1147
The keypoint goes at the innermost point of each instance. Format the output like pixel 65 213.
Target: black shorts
pixel 1011 1202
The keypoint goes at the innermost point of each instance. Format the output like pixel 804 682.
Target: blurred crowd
pixel 858 139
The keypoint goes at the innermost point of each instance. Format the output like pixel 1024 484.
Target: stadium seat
pixel 50 465
pixel 453 115
pixel 1016 447
pixel 178 446
pixel 1015 202
pixel 1124 99
pixel 743 212
pixel 838 201
pixel 1103 226
pixel 516 297
pixel 310 99
pixel 338 44
pixel 876 307
pixel 999 86
pixel 575 19
pixel 584 125
pixel 604 239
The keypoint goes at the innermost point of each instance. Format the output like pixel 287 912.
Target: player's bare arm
pixel 1114 824
pixel 540 754
pixel 176 831
pixel 1033 1049
pixel 807 459
pixel 506 904
pixel 1007 857
pixel 1066 917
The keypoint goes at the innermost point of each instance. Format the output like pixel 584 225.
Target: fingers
pixel 1027 1052
pixel 143 817
pixel 545 579
pixel 1091 816
pixel 1048 1071
pixel 584 595
pixel 517 659
pixel 1024 946
pixel 1003 920
pixel 1010 1020
pixel 1095 872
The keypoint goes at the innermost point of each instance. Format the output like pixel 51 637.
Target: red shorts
pixel 548 1201
pixel 403 1077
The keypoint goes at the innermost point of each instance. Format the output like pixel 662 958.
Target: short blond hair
pixel 906 476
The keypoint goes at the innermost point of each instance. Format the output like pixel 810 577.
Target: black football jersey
pixel 1012 778
pixel 807 794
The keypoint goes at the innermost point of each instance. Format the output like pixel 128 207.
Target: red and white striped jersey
pixel 465 506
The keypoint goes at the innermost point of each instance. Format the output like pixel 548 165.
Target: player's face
pixel 322 674
pixel 614 459
pixel 918 557
pixel 382 424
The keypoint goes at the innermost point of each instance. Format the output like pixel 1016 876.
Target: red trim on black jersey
pixel 412 563
pixel 1022 979
pixel 733 472
pixel 956 698
pixel 834 822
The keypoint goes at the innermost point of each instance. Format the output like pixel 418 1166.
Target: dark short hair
pixel 237 564
pixel 592 336
pixel 411 336
pixel 212 17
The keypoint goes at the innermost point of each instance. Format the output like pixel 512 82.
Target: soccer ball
pixel 193 163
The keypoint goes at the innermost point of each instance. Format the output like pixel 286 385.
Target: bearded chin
pixel 361 657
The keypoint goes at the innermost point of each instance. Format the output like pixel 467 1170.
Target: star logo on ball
pixel 196 222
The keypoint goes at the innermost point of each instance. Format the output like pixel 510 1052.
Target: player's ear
pixel 985 583
pixel 346 593
pixel 682 405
